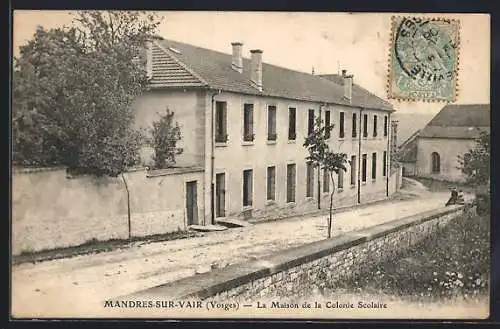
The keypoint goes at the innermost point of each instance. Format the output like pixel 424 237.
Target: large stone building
pixel 244 122
pixel 433 152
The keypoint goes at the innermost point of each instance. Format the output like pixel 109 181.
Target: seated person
pixel 454 197
pixel 460 197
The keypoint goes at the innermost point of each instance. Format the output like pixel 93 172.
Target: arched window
pixel 436 163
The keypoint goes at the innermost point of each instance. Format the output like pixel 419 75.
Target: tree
pixel 322 157
pixel 165 134
pixel 73 88
pixel 475 164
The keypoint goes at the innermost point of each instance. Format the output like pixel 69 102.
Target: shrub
pixel 453 263
pixel 165 134
pixel 73 89
pixel 483 200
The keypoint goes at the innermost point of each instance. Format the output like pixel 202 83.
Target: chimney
pixel 256 68
pixel 237 63
pixel 347 82
pixel 149 59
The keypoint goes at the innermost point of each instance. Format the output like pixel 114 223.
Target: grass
pixel 453 264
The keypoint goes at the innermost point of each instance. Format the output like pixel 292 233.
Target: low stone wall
pixel 299 271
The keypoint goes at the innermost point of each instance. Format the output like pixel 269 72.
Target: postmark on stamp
pixel 423 62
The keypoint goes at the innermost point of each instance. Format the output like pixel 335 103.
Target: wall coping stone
pixel 149 173
pixel 216 281
pixel 27 170
pixel 173 171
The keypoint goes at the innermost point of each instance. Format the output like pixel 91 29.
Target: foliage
pixel 482 199
pixel 322 157
pixel 72 93
pixel 454 263
pixel 475 164
pixel 165 134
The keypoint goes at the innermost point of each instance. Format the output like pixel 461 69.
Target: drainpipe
pixel 388 154
pixel 212 159
pixel 359 153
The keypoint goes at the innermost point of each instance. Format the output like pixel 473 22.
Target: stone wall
pixel 52 210
pixel 298 271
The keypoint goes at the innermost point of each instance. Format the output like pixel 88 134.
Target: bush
pixel 72 93
pixel 483 200
pixel 165 134
pixel 454 263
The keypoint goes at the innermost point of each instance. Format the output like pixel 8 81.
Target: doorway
pixel 191 202
pixel 220 195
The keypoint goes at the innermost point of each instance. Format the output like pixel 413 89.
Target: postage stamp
pixel 424 56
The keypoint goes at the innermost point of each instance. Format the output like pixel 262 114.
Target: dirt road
pixel 76 286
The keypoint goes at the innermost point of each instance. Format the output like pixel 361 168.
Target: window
pixel 363 168
pixel 436 163
pixel 309 179
pixel 374 126
pixel 340 176
pixel 310 122
pixel 220 182
pixel 341 125
pixel 220 122
pixel 327 124
pixel 374 165
pixel 353 170
pixel 386 125
pixel 354 125
pixel 271 183
pixel 326 181
pixel 290 182
pixel 384 164
pixel 248 135
pixel 365 125
pixel 292 134
pixel 247 187
pixel 271 123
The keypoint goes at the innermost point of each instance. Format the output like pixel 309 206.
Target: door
pixel 220 195
pixel 191 204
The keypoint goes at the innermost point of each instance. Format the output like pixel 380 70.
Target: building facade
pixel 451 133
pixel 244 122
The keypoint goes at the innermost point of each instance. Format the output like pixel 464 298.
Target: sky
pixel 329 42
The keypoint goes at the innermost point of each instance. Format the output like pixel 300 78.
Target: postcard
pixel 274 165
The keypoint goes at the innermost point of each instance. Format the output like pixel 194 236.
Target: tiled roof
pixel 452 132
pixel 167 71
pixel 409 152
pixel 410 139
pixel 177 64
pixel 459 121
pixel 463 115
pixel 359 93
